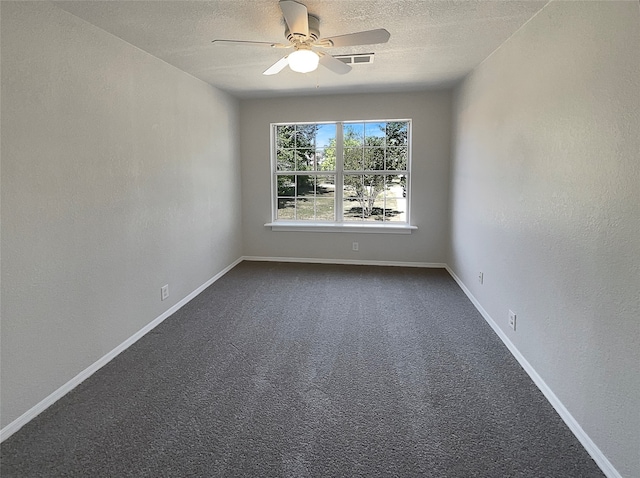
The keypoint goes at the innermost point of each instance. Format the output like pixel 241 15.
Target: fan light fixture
pixel 302 30
pixel 303 61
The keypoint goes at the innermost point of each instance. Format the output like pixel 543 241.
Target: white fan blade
pixel 277 66
pixel 246 42
pixel 296 16
pixel 360 38
pixel 334 64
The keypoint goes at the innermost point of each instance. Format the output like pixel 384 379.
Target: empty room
pixel 320 238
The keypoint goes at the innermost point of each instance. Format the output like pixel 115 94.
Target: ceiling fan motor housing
pixel 314 30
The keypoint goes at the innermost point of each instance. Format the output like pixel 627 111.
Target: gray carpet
pixel 308 370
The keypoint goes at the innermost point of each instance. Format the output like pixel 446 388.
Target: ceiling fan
pixel 303 32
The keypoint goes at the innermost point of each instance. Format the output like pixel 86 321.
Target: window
pixel 353 173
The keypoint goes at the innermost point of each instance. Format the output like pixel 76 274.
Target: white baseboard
pixel 310 260
pixel 33 412
pixel 601 460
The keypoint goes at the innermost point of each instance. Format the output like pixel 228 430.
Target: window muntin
pixel 351 172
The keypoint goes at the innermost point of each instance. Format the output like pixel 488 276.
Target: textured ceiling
pixel 433 42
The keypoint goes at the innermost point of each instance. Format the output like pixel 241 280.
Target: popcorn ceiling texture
pixel 433 43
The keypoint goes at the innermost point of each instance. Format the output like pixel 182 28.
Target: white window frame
pixel 340 224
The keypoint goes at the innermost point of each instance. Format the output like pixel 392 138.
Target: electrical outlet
pixel 355 246
pixel 512 320
pixel 480 277
pixel 164 292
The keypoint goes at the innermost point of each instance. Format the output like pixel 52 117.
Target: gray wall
pixel 546 202
pixel 119 174
pixel 431 115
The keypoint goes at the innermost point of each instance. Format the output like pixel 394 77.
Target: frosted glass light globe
pixel 303 61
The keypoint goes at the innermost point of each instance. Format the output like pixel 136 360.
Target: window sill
pixel 341 227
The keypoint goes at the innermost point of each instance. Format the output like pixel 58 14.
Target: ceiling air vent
pixel 360 58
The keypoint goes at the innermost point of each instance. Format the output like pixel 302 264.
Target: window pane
pixel 286 208
pixel 353 134
pixel 397 133
pixel 374 134
pixel 325 209
pixel 353 197
pixel 326 186
pixel 322 162
pixel 304 159
pixel 395 198
pixel 286 186
pixel 286 160
pixel 373 183
pixel 375 207
pixel 305 185
pixel 373 198
pixel 395 186
pixel 285 136
pixel 353 159
pixel 306 136
pixel 305 208
pixel 373 159
pixel 351 209
pixel 327 159
pixel 326 135
pixel 352 184
pixel 396 210
pixel 397 158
